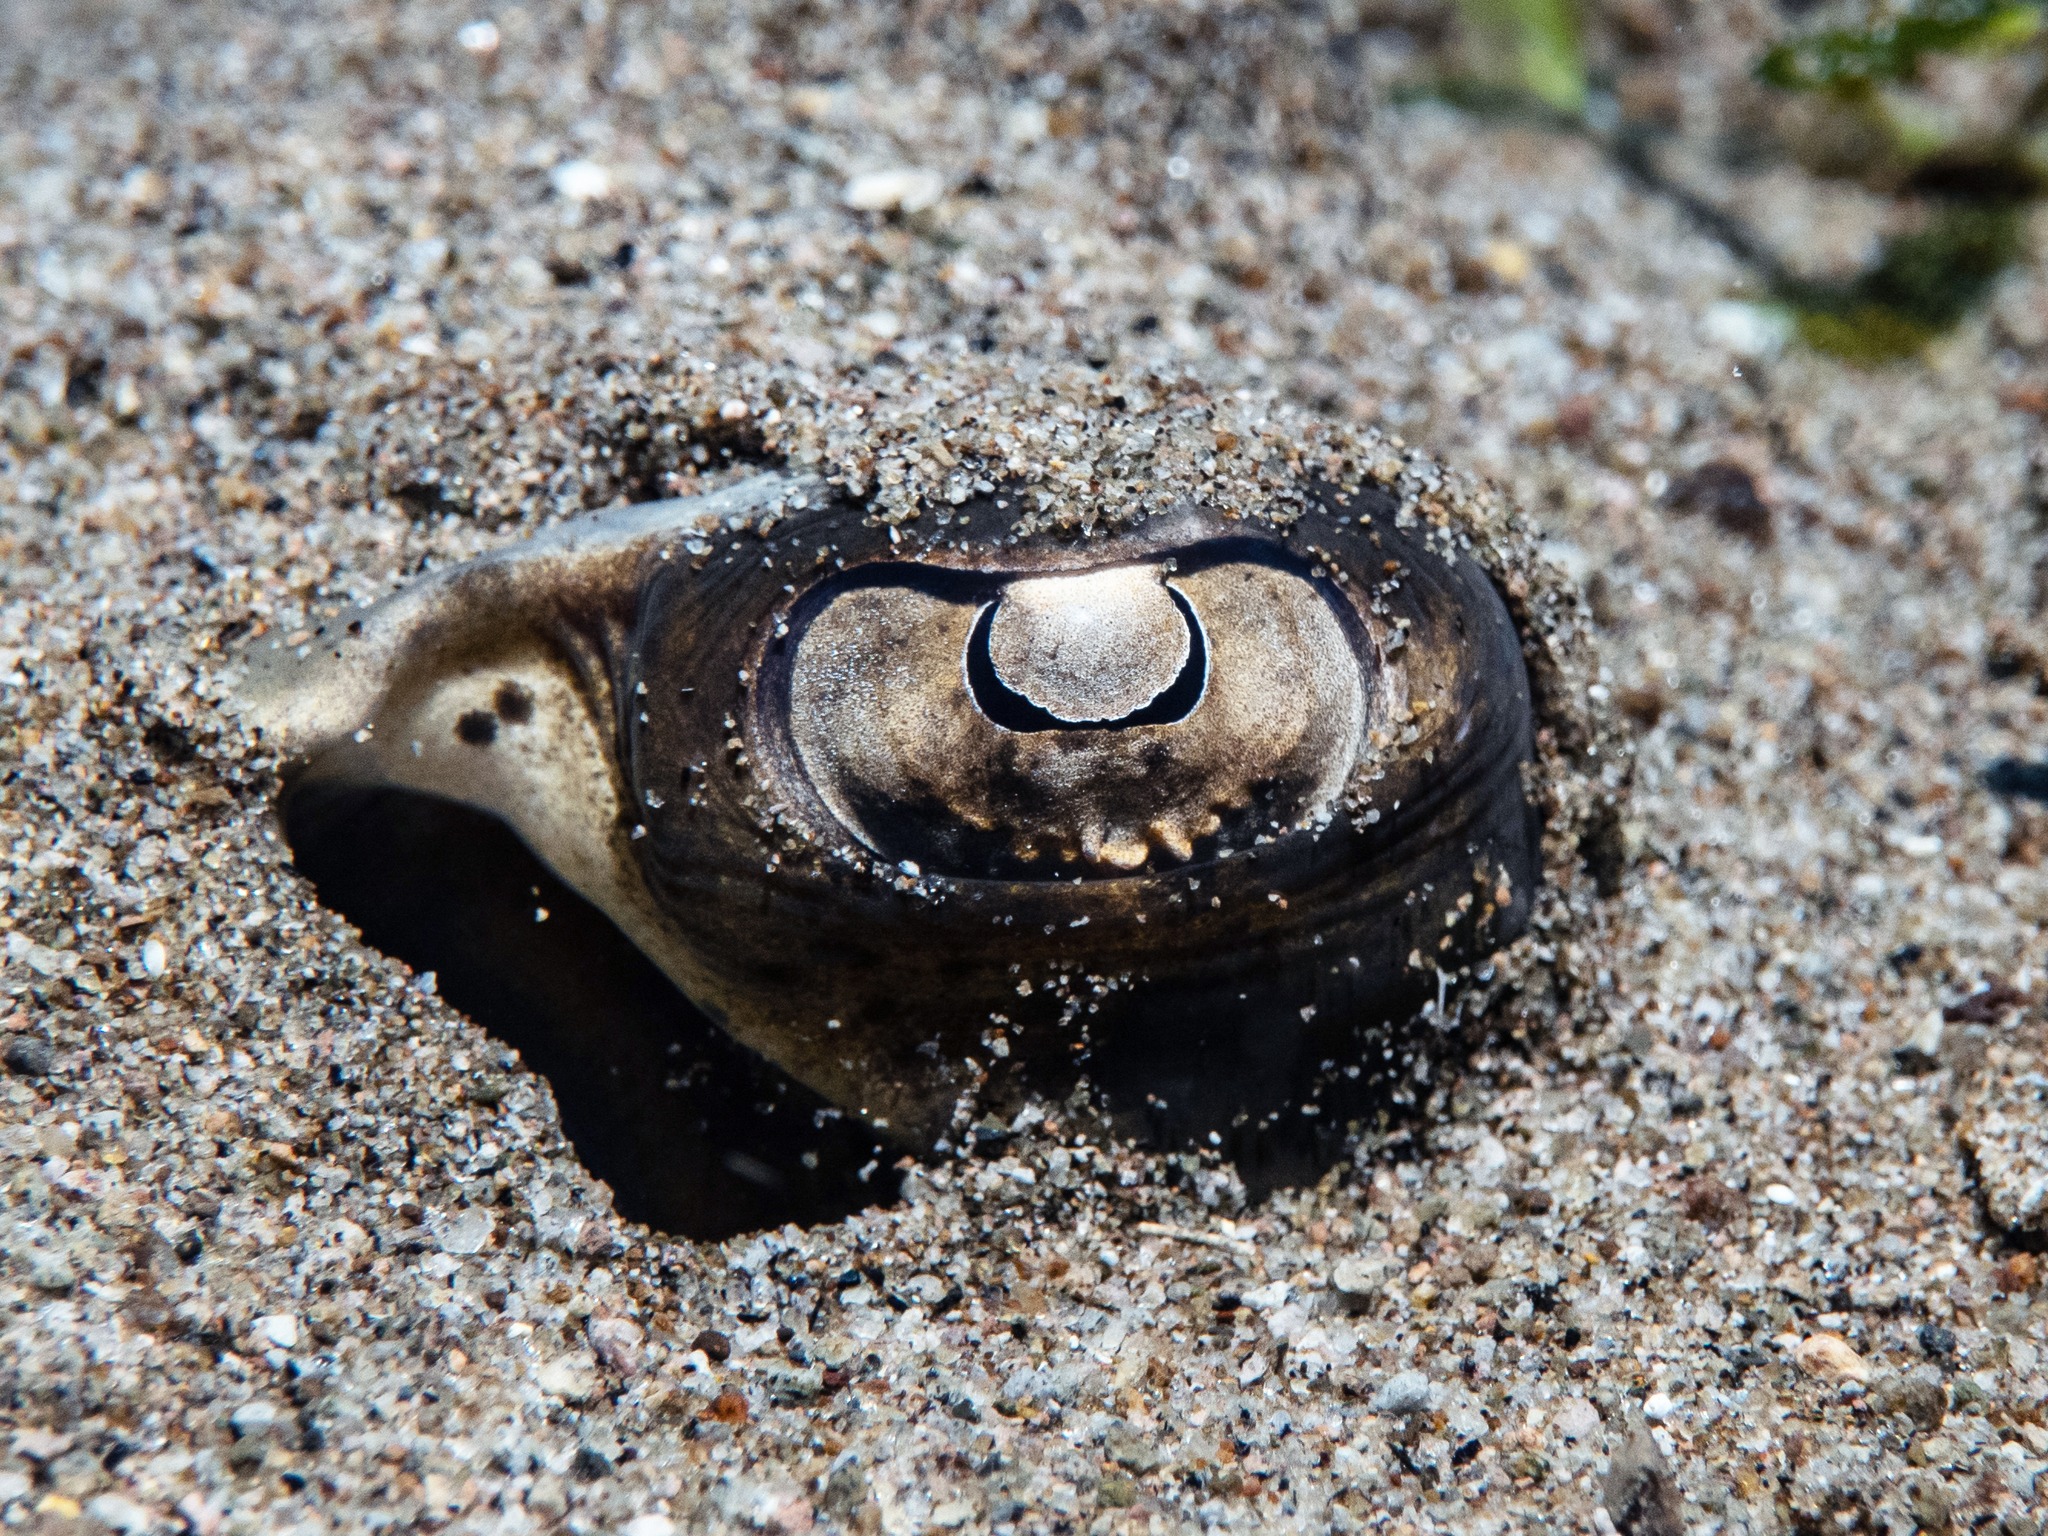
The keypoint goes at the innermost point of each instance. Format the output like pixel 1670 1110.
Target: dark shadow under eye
pixel 1009 709
pixel 694 1133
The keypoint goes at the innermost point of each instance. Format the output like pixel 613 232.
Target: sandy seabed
pixel 1747 1243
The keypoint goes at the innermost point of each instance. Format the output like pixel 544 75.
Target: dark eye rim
pixel 1009 710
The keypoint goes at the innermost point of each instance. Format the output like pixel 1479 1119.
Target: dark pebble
pixel 1936 1341
pixel 2011 776
pixel 146 1309
pixel 716 1346
pixel 1706 1199
pixel 27 1056
pixel 1921 1397
pixel 1725 492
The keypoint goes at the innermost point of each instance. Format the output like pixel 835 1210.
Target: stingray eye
pixel 1200 813
pixel 1091 721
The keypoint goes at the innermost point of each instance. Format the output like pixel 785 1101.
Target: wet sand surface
pixel 301 301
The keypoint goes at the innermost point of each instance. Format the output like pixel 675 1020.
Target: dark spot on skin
pixel 513 703
pixel 478 727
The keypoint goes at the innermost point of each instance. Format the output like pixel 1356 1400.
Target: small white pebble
pixel 279 1331
pixel 582 181
pixel 902 189
pixel 478 37
pixel 1780 1194
pixel 155 958
pixel 1830 1357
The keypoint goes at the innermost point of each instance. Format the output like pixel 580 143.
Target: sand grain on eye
pixel 297 306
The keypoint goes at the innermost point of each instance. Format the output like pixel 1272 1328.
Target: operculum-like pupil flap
pixel 1090 647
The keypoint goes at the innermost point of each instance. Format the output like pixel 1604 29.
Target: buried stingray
pixel 1218 788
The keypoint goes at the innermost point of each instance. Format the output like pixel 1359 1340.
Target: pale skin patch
pixel 471 686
